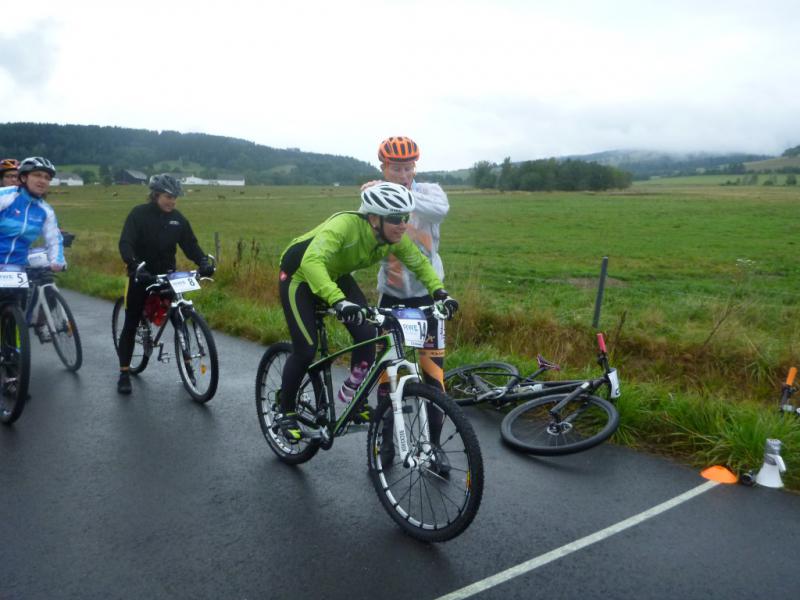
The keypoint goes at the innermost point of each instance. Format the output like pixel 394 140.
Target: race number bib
pixel 414 325
pixel 13 276
pixel 182 282
pixel 613 378
pixel 38 258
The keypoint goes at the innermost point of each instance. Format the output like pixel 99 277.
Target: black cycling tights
pixel 298 307
pixel 134 305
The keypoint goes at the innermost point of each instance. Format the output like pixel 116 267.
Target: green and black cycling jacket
pixel 343 244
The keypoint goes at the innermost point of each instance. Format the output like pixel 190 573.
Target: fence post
pixel 600 288
pixel 217 249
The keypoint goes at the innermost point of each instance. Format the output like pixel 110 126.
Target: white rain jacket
pixel 431 207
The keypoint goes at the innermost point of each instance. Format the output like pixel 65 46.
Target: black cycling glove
pixel 349 313
pixel 446 303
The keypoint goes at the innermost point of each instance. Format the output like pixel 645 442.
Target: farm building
pixel 70 179
pixel 130 176
pixel 226 180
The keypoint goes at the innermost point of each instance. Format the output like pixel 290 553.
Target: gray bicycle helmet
pixel 167 184
pixel 386 199
pixel 37 163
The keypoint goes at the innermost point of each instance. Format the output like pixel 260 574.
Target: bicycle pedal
pixel 312 434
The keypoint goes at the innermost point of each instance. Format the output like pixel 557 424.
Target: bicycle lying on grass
pixel 431 483
pixel 195 350
pixel 787 390
pixel 555 417
pixel 48 313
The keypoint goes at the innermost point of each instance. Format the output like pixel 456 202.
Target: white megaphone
pixel 770 473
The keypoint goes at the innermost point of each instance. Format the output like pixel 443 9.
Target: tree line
pixel 116 148
pixel 548 175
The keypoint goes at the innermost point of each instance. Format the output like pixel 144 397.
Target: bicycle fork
pixel 412 457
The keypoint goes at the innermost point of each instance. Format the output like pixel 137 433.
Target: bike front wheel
pixel 66 339
pixel 141 342
pixel 466 384
pixel 196 355
pixel 435 491
pixel 583 423
pixel 15 363
pixel 269 378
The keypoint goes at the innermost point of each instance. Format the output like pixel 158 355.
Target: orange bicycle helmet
pixel 8 164
pixel 398 149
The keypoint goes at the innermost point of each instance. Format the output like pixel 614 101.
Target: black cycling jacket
pixel 151 235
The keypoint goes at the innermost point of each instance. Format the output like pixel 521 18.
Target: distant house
pixel 192 180
pixel 70 179
pixel 230 180
pixel 130 176
pixel 227 179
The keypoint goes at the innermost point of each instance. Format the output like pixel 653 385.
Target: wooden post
pixel 600 288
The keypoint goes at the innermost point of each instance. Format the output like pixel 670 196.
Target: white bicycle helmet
pixel 37 163
pixel 386 199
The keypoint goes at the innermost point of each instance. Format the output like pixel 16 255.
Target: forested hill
pixel 211 155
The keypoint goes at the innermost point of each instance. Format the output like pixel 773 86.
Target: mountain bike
pixel 48 313
pixel 15 344
pixel 423 456
pixel 195 350
pixel 556 417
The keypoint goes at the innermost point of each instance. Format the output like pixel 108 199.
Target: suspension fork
pixel 410 455
pixel 178 320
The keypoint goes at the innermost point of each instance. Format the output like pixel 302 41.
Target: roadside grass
pixel 700 309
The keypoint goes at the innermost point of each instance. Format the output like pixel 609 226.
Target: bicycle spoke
pixel 196 355
pixel 430 492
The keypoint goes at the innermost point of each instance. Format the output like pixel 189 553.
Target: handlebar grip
pixel 791 376
pixel 601 343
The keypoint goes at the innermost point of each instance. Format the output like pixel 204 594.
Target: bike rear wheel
pixel 583 423
pixel 435 495
pixel 269 378
pixel 66 339
pixel 465 384
pixel 142 341
pixel 196 355
pixel 15 363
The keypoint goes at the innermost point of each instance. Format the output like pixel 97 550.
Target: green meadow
pixel 700 308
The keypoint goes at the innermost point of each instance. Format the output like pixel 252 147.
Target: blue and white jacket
pixel 23 218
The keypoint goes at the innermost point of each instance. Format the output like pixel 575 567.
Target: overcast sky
pixel 468 80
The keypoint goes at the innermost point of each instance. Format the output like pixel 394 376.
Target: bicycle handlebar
pixel 162 280
pixel 377 315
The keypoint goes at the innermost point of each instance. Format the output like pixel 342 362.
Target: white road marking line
pixel 567 549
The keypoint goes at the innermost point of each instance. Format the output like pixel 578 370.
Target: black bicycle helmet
pixel 166 184
pixel 37 163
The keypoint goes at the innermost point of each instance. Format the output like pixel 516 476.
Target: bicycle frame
pixel 37 297
pixel 391 360
pixel 609 378
pixel 176 302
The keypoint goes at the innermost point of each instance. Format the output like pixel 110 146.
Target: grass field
pixel 706 180
pixel 701 306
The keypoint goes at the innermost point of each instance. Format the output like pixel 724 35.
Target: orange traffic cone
pixel 719 474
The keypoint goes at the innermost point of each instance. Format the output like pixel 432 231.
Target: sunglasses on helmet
pixel 397 219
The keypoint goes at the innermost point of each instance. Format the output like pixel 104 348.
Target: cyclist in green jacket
pixel 316 267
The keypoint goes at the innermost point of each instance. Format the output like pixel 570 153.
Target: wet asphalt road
pixel 155 496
